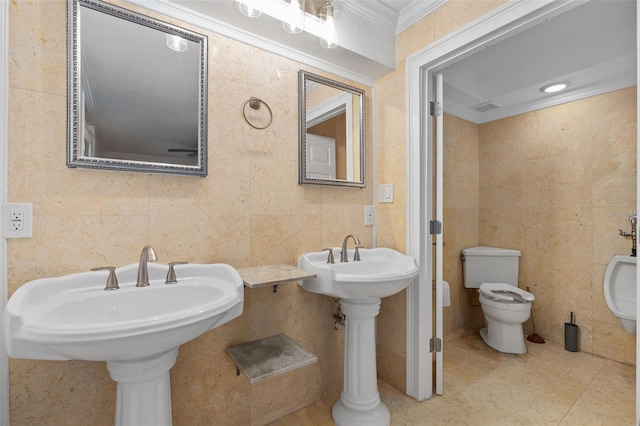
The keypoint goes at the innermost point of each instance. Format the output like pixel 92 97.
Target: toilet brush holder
pixel 571 335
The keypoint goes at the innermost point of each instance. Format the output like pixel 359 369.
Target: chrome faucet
pixel 634 222
pixel 148 255
pixel 343 254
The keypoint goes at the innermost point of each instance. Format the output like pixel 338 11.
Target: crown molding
pixel 373 11
pixel 383 15
pixel 415 12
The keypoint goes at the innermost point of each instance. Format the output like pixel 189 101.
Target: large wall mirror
pixel 137 92
pixel 332 130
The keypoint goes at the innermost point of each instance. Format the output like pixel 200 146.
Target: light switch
pixel 385 193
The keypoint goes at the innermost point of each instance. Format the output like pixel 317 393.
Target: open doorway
pixel 504 23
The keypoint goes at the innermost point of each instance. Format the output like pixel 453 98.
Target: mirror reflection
pixel 137 92
pixel 331 132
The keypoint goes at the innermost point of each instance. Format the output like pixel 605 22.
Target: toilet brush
pixel 535 338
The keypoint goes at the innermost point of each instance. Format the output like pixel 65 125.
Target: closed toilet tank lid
pixel 489 251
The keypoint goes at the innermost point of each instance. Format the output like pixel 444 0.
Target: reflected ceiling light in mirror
pixel 250 8
pixel 329 38
pixel 555 87
pixel 176 43
pixel 293 21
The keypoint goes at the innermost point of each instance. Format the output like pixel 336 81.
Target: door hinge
pixel 435 227
pixel 435 108
pixel 435 344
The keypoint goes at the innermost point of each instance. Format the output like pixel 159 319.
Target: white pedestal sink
pixel 137 331
pixel 360 285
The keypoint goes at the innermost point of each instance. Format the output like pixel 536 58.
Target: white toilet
pixel 494 272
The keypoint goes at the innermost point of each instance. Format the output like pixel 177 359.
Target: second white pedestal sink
pixel 360 285
pixel 137 331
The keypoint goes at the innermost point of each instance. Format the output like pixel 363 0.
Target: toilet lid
pixel 505 292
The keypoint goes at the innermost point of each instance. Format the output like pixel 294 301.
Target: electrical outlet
pixel 368 215
pixel 17 220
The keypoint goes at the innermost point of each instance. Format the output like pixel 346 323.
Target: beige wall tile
pixel 579 170
pixel 457 13
pixel 610 341
pixel 249 211
pixel 82 388
pixel 617 105
pixel 272 399
pixel 206 390
pixel 414 38
pixel 38 39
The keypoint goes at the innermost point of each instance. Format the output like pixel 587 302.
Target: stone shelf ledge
pixel 273 275
pixel 268 357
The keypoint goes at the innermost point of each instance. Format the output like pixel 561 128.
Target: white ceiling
pixel 593 46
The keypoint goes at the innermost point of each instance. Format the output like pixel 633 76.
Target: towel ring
pixel 256 117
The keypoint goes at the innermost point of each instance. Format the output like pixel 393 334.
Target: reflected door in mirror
pixel 332 135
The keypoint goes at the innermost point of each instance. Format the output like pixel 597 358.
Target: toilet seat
pixel 505 293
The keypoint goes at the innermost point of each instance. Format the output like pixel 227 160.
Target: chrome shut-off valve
pixel 634 222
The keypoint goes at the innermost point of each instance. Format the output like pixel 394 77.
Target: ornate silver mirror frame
pixel 137 92
pixel 331 132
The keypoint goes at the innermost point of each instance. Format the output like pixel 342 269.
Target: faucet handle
pixel 356 255
pixel 171 274
pixel 112 280
pixel 330 259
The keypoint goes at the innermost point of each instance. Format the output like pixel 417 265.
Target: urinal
pixel 620 290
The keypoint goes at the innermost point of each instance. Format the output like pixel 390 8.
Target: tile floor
pixel 546 386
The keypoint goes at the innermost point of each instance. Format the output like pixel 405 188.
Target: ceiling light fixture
pixel 294 18
pixel 176 43
pixel 293 21
pixel 329 38
pixel 250 8
pixel 555 87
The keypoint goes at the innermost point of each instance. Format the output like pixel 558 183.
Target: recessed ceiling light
pixel 555 87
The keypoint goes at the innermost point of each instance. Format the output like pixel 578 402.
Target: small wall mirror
pixel 332 128
pixel 137 92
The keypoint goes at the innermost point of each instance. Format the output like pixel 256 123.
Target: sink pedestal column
pixel 360 402
pixel 143 392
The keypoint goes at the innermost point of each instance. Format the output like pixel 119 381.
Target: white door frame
pixel 637 205
pixel 501 23
pixel 4 136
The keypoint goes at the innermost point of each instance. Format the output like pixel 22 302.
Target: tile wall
pixel 557 184
pixel 249 211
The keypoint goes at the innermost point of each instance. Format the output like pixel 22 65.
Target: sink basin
pixel 381 272
pixel 136 330
pixel 72 317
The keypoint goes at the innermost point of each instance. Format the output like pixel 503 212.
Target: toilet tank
pixel 489 265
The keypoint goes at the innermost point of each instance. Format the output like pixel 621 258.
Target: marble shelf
pixel 270 356
pixel 261 276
